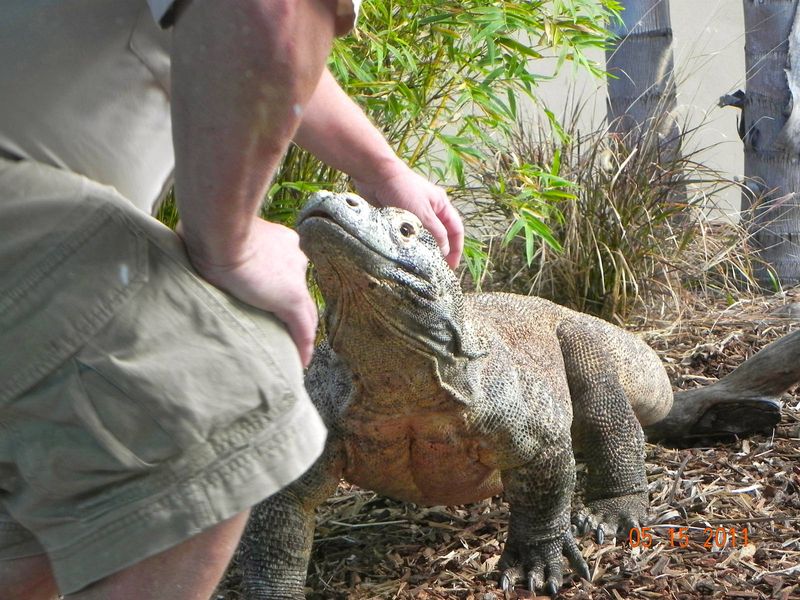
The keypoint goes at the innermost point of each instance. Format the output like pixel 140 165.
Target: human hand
pixel 270 275
pixel 406 189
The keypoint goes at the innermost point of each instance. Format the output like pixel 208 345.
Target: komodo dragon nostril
pixel 351 201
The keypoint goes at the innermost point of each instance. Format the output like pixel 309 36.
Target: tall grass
pixel 629 228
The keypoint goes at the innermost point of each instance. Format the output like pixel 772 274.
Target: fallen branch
pixel 745 401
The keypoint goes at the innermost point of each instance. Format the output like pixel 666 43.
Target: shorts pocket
pixel 187 356
pixel 76 435
pixel 118 423
pixel 68 293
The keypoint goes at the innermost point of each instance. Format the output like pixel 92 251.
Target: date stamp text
pixel 712 538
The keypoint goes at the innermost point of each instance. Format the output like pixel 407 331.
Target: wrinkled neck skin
pixel 374 326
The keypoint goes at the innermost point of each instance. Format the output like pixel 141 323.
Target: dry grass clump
pixel 632 230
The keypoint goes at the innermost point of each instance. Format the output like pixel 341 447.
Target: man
pixel 143 411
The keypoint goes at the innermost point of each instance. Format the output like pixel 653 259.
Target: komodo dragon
pixel 439 397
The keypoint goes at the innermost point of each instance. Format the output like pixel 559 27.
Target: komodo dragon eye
pixel 407 230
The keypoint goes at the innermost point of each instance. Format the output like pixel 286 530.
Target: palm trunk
pixel 771 202
pixel 642 96
pixel 642 90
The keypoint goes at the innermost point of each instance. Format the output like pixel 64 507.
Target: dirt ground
pixel 733 507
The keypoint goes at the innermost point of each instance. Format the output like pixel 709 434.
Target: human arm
pixel 336 130
pixel 241 74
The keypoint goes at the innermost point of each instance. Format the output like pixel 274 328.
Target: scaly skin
pixel 438 397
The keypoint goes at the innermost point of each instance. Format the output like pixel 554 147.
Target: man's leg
pixel 114 415
pixel 189 571
pixel 27 579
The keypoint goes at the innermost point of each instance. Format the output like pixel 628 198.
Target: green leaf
pixel 512 232
pixel 434 19
pixel 476 259
pixel 539 229
pixel 518 47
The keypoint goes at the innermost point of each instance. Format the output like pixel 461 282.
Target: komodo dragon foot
pixel 539 561
pixel 611 516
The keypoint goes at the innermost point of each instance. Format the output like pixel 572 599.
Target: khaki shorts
pixel 138 404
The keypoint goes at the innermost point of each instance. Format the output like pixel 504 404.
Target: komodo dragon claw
pixel 611 515
pixel 541 563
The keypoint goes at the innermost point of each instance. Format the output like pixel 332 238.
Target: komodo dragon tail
pixel 747 400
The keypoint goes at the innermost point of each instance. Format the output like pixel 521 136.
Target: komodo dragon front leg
pixel 276 546
pixel 605 430
pixel 539 495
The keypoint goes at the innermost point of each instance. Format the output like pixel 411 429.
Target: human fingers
pixel 431 222
pixel 451 222
pixel 300 316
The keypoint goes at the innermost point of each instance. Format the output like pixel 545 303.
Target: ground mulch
pixel 371 547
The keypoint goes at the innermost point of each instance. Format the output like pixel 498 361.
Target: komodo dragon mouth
pixel 353 236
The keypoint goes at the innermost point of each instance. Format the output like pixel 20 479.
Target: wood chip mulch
pixel 370 547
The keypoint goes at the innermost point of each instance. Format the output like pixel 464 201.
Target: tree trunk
pixel 771 127
pixel 641 93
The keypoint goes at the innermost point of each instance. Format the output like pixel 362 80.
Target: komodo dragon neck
pixel 435 375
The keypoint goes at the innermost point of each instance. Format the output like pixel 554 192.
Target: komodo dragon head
pixel 385 280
